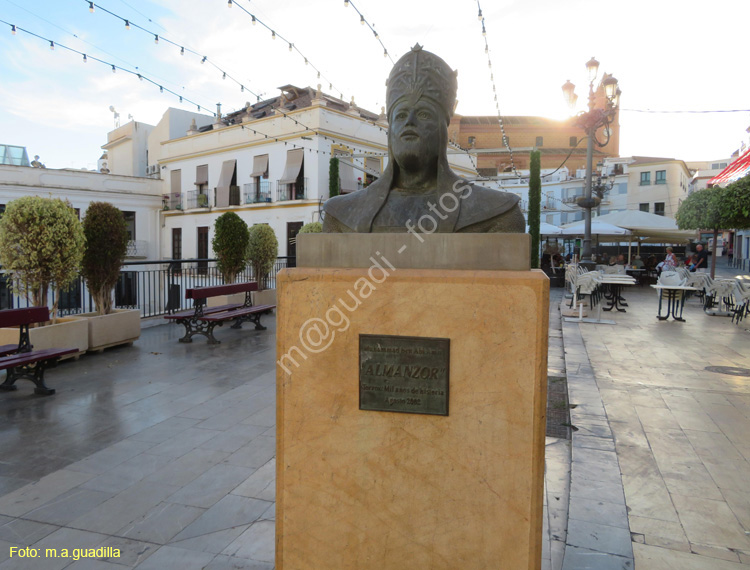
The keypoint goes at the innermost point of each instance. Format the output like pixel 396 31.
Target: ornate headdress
pixel 419 74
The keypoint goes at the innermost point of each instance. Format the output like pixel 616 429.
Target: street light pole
pixel 590 122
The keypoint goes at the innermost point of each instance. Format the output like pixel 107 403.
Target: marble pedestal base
pixel 378 490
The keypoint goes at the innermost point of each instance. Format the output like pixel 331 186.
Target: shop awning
pixel 222 190
pixel 294 160
pixel 260 166
pixel 733 172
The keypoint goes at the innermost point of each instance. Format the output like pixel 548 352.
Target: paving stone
pixel 69 506
pixel 256 543
pixel 261 484
pixel 213 485
pixel 20 531
pixel 124 508
pixel 230 512
pixel 600 538
pixel 171 558
pixel 223 562
pixel 577 558
pixel 36 494
pixel 160 524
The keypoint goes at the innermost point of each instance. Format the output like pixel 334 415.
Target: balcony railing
pixel 172 201
pixel 197 199
pixel 153 287
pixel 257 193
pixel 137 249
pixel 293 191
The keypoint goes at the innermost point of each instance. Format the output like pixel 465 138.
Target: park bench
pixel 202 319
pixel 23 361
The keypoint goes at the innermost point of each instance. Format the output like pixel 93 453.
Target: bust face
pixel 414 133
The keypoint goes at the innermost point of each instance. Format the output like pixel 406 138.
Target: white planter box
pixel 265 297
pixel 122 326
pixel 68 332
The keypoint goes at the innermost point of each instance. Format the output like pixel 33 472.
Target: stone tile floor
pixel 680 432
pixel 166 451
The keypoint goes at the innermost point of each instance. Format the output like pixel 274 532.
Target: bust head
pixel 420 99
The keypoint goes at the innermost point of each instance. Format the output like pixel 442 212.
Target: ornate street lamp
pixel 591 121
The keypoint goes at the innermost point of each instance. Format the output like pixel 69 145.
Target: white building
pixel 269 163
pixel 138 198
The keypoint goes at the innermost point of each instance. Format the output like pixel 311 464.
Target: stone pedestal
pixel 379 490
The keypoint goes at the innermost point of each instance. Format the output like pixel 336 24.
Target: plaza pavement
pixel 166 450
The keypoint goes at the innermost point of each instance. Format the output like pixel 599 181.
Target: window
pixel 539 141
pixel 203 250
pixel 645 178
pixel 130 223
pixel 659 208
pixel 573 142
pixel 643 207
pixel 717 165
pixel 201 178
pixel 622 188
pixel 472 141
pixel 176 243
pixel 661 177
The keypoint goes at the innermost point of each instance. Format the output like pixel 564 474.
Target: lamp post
pixel 591 121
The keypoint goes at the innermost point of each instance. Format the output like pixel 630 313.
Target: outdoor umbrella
pixel 546 229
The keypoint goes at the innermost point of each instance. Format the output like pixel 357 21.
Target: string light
pixel 253 20
pixel 156 39
pixel 52 46
pixel 290 46
pixel 363 21
pixel 127 25
pixel 13 29
pixel 91 7
pixel 182 51
pixel 113 69
pixel 494 90
pixel 273 35
pixel 229 4
pixel 85 60
pixel 204 59
pixel 224 76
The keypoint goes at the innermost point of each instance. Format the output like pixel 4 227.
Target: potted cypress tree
pixel 106 247
pixel 262 251
pixel 41 246
pixel 229 243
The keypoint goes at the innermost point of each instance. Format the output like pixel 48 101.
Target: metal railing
pixel 740 263
pixel 137 248
pixel 257 193
pixel 293 191
pixel 197 199
pixel 172 201
pixel 153 287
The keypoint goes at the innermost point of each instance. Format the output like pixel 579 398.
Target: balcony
pixel 172 201
pixel 256 193
pixel 137 249
pixel 197 199
pixel 294 191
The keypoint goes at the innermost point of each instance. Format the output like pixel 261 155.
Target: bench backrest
pixel 216 290
pixel 17 317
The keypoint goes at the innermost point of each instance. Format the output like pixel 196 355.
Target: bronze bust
pixel 418 192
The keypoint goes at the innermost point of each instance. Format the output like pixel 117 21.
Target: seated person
pixel 621 259
pixel 638 262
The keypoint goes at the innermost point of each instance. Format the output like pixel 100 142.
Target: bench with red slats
pixel 202 320
pixel 22 361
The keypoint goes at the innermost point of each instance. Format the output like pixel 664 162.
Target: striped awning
pixel 733 172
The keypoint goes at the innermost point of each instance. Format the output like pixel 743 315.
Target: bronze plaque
pixel 404 374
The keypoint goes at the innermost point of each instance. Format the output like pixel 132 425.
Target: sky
pixel 668 55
